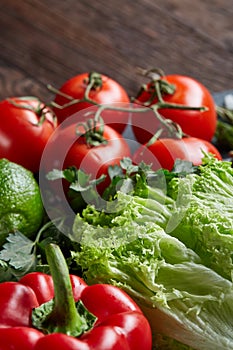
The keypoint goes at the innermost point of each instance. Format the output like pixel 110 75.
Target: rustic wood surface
pixel 49 41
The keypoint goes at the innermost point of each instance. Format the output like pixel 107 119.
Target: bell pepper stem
pixel 64 317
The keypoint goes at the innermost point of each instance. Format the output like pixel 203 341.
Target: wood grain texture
pixel 50 41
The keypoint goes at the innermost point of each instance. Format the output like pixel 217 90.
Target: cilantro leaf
pixel 183 167
pixel 127 165
pixel 79 183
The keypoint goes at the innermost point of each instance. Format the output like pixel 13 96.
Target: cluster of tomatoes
pixel 171 117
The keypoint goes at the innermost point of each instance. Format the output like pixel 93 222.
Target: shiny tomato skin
pixel 22 139
pixel 66 149
pixel 163 152
pixel 111 93
pixel 188 92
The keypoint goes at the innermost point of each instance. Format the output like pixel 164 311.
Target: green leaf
pixel 84 183
pixel 86 315
pixel 80 183
pixel 41 314
pixel 79 180
pixel 183 167
pixel 55 174
pixel 19 252
pixel 71 174
pixel 128 166
pixel 166 279
pixel 171 251
pixel 115 171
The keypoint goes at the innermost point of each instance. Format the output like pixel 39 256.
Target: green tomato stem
pixel 159 86
pixel 40 110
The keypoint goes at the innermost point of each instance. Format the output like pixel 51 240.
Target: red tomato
pixel 163 152
pixel 104 91
pixel 25 127
pixel 66 149
pixel 188 92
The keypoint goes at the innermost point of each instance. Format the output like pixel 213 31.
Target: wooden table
pixel 49 41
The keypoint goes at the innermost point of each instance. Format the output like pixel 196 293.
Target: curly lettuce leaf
pixel 172 252
pixel 181 297
pixel 203 215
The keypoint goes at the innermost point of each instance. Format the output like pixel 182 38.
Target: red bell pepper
pixel 61 311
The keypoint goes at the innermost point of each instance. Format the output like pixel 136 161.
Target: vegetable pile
pixel 146 225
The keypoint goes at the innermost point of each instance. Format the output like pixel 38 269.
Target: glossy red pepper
pixel 118 323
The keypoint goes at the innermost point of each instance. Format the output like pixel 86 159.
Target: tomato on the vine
pixel 164 152
pixel 91 147
pixel 88 89
pixel 184 91
pixel 26 124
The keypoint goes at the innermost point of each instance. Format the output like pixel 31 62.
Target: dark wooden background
pixel 49 41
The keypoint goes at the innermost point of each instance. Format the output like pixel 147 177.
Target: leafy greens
pixel 171 250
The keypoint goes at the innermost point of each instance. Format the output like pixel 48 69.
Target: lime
pixel 21 207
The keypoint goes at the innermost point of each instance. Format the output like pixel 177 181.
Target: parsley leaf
pixel 19 253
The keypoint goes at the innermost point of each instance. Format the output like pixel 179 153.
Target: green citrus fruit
pixel 21 207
